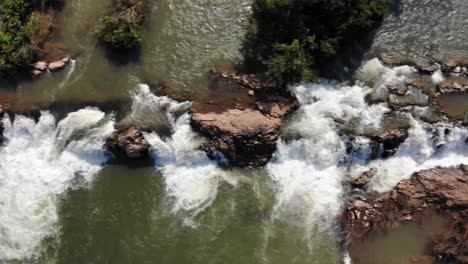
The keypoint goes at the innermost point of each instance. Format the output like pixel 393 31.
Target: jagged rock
pixel 442 189
pixel 390 140
pixel 452 85
pixel 429 69
pixel 128 143
pixel 245 132
pixel 245 137
pixel 59 64
pixel 364 178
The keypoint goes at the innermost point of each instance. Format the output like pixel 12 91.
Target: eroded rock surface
pixel 388 142
pixel 442 189
pixel 246 131
pixel 128 143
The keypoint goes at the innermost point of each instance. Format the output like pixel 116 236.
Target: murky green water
pixel 182 41
pixel 400 245
pixel 125 215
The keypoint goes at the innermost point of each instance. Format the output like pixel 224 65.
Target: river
pixel 61 202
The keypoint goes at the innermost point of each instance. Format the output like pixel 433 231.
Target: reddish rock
pixel 364 178
pixel 128 143
pixel 442 189
pixel 59 64
pixel 243 127
pixel 389 140
pixel 454 85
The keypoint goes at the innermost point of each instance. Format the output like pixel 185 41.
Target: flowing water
pixel 422 31
pixel 60 202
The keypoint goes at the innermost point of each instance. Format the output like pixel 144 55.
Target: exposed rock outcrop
pixel 362 180
pixel 245 132
pixel 442 189
pixel 453 85
pixel 388 142
pixel 128 143
pixel 41 67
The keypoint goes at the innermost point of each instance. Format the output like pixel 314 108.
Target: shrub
pixel 119 34
pixel 16 52
pixel 122 25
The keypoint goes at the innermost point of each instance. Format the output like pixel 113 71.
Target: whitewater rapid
pixel 38 163
pixel 313 158
pixel 191 178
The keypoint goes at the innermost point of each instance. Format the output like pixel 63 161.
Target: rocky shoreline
pixel 441 189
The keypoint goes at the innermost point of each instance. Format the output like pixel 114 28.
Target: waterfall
pixel 191 178
pixel 37 164
pixel 312 160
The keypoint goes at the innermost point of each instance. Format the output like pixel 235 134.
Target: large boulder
pixel 128 143
pixel 243 121
pixel 442 189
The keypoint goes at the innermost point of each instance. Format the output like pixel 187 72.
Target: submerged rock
pixel 128 143
pixel 442 189
pixel 247 131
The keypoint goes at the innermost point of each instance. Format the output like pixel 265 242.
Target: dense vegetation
pixel 293 39
pixel 24 26
pixel 123 23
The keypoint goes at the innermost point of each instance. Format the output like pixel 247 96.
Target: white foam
pixel 33 172
pixel 426 147
pixel 191 178
pixel 307 173
pixel 437 77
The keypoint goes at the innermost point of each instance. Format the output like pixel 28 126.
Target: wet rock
pixel 413 97
pixel 456 68
pixel 245 132
pixel 245 137
pixel 398 89
pixel 429 69
pixel 453 85
pixel 364 178
pixel 2 113
pixel 59 64
pixel 423 84
pixel 442 189
pixel 389 140
pixel 128 143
